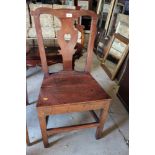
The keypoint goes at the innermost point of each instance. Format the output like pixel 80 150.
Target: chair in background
pixel 69 90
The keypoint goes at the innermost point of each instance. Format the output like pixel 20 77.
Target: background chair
pixel 68 90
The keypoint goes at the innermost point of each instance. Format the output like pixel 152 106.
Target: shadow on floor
pixel 113 127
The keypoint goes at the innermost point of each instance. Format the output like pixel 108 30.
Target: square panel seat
pixel 70 87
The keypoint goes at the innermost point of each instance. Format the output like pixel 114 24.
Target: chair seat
pixel 70 87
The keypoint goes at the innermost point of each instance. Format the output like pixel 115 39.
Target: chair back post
pixel 90 48
pixel 40 43
pixel 67 47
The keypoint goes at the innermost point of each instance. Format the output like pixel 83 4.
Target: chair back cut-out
pixel 67 47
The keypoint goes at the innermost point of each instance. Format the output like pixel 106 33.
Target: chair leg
pixel 103 117
pixel 42 121
pixel 27 137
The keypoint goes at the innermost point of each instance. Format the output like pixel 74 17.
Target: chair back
pixel 67 47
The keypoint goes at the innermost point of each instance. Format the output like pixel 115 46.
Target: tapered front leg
pixel 103 117
pixel 42 121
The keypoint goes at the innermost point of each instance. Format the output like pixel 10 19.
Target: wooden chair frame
pixel 67 50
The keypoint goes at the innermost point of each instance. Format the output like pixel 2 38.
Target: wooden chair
pixel 68 90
